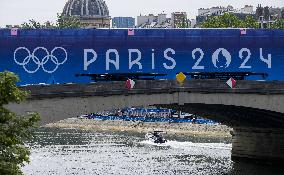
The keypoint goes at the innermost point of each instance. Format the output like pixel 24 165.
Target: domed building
pixel 92 13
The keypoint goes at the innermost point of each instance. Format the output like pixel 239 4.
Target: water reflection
pixel 88 152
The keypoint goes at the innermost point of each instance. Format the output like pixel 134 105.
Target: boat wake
pixel 190 145
pixel 147 142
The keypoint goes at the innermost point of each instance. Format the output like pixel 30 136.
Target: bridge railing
pixel 155 86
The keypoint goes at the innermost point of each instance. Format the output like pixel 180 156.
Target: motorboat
pixel 84 116
pixel 155 137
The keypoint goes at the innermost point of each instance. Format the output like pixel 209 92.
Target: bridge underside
pixel 233 116
pixel 258 135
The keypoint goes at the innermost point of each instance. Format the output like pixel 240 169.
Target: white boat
pixel 182 115
pixel 84 116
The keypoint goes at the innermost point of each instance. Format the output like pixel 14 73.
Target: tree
pixel 181 23
pixel 229 20
pixel 68 21
pixel 63 22
pixel 32 24
pixel 250 22
pixel 14 129
pixel 278 24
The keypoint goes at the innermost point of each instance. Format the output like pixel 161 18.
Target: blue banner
pixel 57 56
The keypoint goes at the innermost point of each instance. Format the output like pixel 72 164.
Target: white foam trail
pixel 190 145
pixel 156 144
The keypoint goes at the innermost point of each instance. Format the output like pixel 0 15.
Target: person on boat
pixel 193 120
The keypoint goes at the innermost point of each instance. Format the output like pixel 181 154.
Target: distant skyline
pixel 15 12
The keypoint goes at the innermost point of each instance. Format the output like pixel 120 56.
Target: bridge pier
pixel 258 144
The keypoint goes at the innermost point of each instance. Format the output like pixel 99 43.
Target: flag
pixel 232 83
pixel 14 31
pixel 129 84
pixel 130 32
pixel 243 31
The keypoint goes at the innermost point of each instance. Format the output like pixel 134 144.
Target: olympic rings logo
pixel 40 63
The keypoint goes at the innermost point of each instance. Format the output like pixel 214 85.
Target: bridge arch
pixel 254 109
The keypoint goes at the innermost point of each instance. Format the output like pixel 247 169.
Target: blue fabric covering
pixel 149 119
pixel 191 49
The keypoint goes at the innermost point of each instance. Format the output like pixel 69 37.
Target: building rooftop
pixel 86 8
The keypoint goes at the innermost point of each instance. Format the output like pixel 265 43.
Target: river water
pixel 66 151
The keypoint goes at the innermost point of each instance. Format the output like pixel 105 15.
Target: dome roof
pixel 86 8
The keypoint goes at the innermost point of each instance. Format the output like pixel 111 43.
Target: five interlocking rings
pixel 40 63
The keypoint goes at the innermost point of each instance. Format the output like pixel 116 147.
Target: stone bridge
pixel 254 109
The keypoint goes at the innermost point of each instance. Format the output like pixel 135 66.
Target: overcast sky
pixel 18 11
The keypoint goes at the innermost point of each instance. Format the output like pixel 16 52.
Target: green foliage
pixel 32 24
pixel 68 22
pixel 250 22
pixel 229 20
pixel 278 24
pixel 13 129
pixel 62 23
pixel 181 23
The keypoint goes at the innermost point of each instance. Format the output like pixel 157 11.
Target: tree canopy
pixel 278 24
pixel 61 23
pixel 229 20
pixel 14 129
pixel 68 22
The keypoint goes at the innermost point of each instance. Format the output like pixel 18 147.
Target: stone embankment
pixel 144 127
